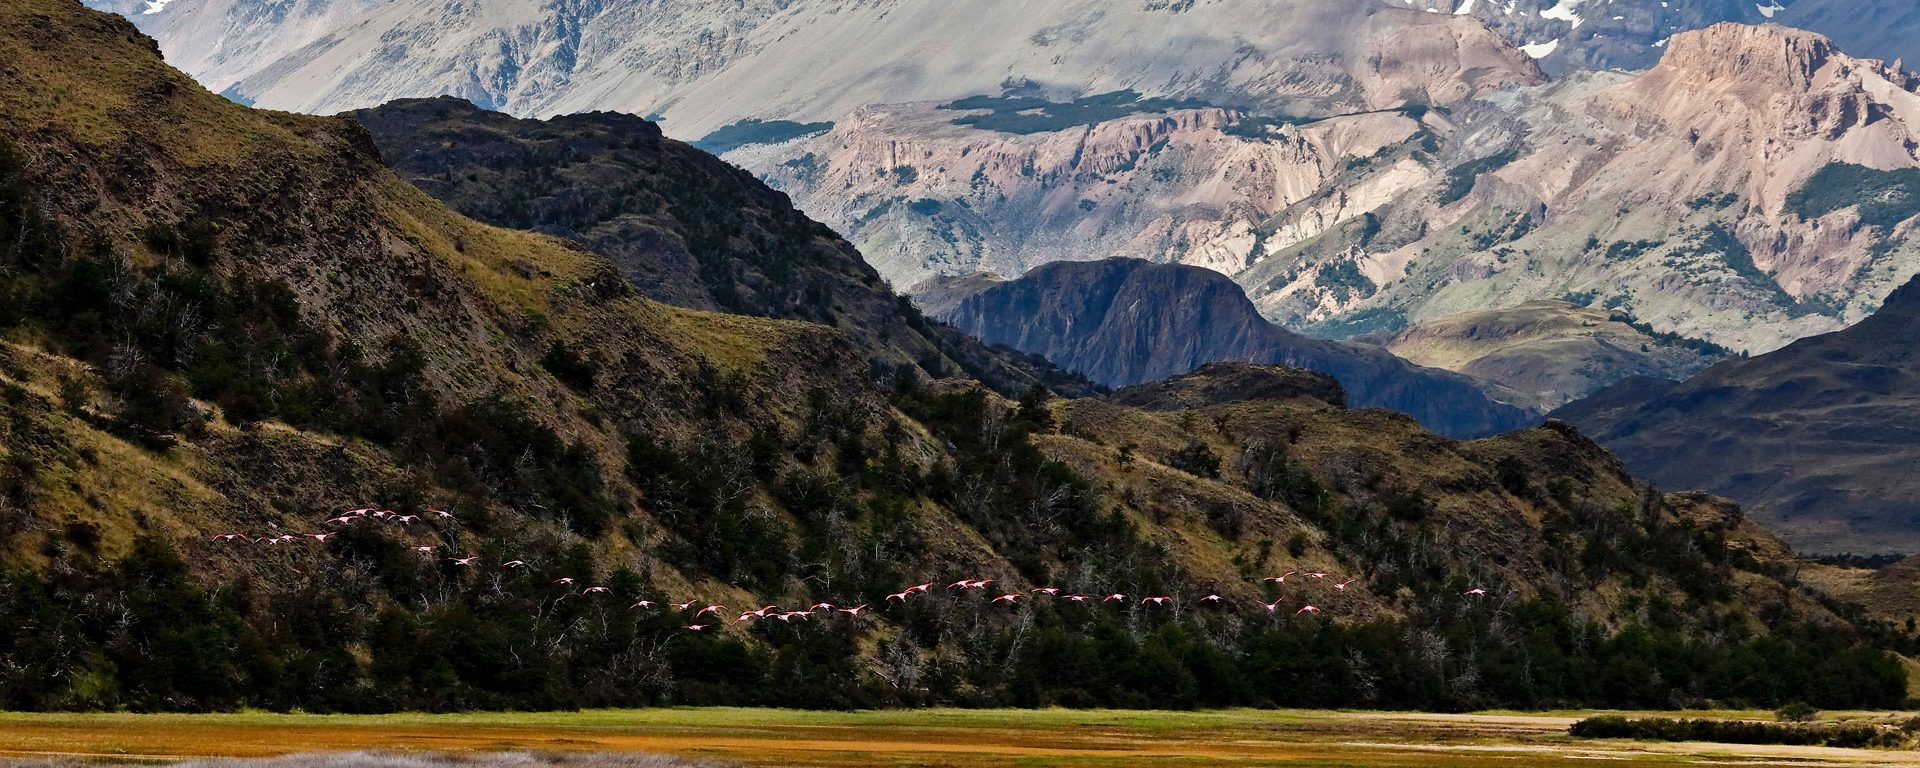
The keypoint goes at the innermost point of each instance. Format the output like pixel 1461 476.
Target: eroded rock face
pixel 1125 321
pixel 924 196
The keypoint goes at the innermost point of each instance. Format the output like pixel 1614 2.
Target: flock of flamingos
pixel 719 612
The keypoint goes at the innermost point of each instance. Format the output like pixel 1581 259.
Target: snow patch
pixel 1564 11
pixel 1770 8
pixel 1540 50
pixel 155 6
pixel 1466 7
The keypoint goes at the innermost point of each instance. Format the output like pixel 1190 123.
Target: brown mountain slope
pixel 221 320
pixel 1549 352
pixel 1818 438
pixel 683 226
pixel 1126 321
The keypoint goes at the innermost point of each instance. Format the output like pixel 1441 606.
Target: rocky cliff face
pixel 1880 29
pixel 1126 321
pixel 1707 196
pixel 1818 437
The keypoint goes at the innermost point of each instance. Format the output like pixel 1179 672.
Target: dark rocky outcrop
pixel 1126 321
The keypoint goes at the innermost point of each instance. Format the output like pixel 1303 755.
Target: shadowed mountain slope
pixel 1126 321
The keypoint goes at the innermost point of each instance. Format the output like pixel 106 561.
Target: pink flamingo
pixel 714 609
pixel 854 611
pixel 1475 592
pixel 921 587
pixel 1342 586
pixel 463 560
pixel 1113 597
pixel 641 604
pixel 1273 606
pixel 442 514
pixel 1308 609
pixel 1079 598
pixel 229 537
pixel 514 564
pixel 595 590
pixel 820 607
pixel 1213 599
pixel 1049 591
pixel 698 627
pixel 321 537
pixel 1317 575
pixel 1007 598
pixel 1280 579
pixel 565 581
pixel 424 550
pixel 683 606
pixel 900 596
pixel 1160 600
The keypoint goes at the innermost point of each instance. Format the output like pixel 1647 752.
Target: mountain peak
pixel 1748 53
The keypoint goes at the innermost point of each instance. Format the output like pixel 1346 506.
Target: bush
pixel 1797 712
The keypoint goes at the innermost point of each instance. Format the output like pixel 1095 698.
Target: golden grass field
pixel 947 737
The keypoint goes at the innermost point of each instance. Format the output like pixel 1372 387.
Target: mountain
pixel 1568 35
pixel 1815 438
pixel 705 66
pixel 1550 352
pixel 1127 321
pixel 1706 196
pixel 683 226
pixel 223 321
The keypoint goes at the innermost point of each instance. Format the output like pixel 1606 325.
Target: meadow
pixel 765 737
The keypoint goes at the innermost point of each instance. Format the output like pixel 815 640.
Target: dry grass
pixel 375 759
pixel 873 740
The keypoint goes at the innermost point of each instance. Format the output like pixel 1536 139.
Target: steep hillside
pixel 232 341
pixel 1126 321
pixel 1817 438
pixel 683 226
pixel 1550 352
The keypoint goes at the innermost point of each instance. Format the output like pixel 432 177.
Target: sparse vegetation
pixel 1885 198
pixel 752 131
pixel 1025 115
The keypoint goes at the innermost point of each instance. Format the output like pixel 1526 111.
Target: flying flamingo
pixel 1160 600
pixel 745 617
pixel 801 615
pixel 1078 598
pixel 229 536
pixel 820 607
pixel 321 537
pixel 1317 574
pixel 1215 599
pixel 592 590
pixel 1051 591
pixel 683 606
pixel 697 627
pixel 641 604
pixel 854 611
pixel 514 564
pixel 713 609
pixel 463 560
pixel 565 581
pixel 961 584
pixel 1011 598
pixel 406 519
pixel 1342 586
pixel 1273 606
pixel 1475 592
pixel 1308 609
pixel 341 520
pixel 900 596
pixel 1113 597
pixel 1280 579
pixel 442 514
pixel 921 587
